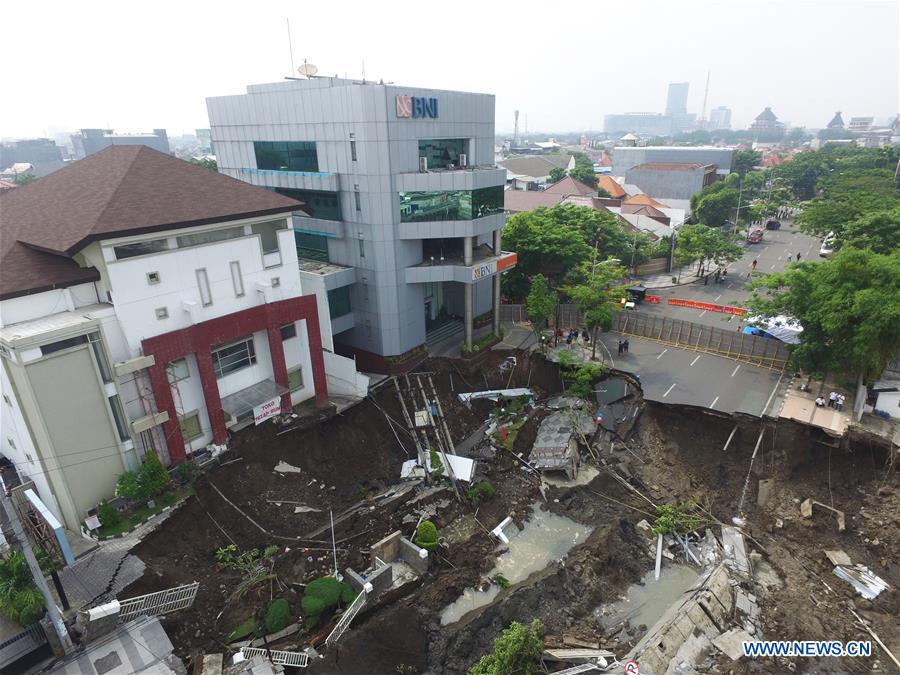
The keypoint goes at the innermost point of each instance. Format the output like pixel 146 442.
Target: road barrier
pixel 708 306
pixel 731 344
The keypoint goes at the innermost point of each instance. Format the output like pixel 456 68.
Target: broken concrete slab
pixel 731 642
pixel 494 394
pixel 838 558
pixel 867 583
pixel 305 509
pixel 764 493
pixel 284 467
pixel 806 510
pixel 735 550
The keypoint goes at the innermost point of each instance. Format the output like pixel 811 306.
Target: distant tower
pixel 676 101
pixel 705 97
pixel 837 122
pixel 516 129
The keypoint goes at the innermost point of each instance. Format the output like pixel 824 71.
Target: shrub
pixel 109 515
pixel 426 535
pixel 128 485
pixel 278 616
pixel 243 630
pixel 321 595
pixel 676 519
pixel 481 491
pixel 152 475
pixel 20 599
pixel 517 650
pixel 437 467
pixel 187 471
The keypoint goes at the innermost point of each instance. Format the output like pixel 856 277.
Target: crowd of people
pixel 835 400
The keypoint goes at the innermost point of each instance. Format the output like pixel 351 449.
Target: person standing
pixel 798 257
pixel 840 402
pixel 626 345
pixel 706 280
pixel 832 399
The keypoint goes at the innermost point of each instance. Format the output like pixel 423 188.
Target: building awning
pixel 245 400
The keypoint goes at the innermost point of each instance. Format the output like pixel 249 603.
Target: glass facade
pixel 453 205
pixel 339 301
pixel 442 152
pixel 317 203
pixel 311 246
pixel 140 248
pixel 286 155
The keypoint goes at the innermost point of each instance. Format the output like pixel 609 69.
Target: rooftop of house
pixel 121 190
pixel 517 201
pixel 645 200
pixel 609 184
pixel 669 166
pixel 570 186
pixel 535 165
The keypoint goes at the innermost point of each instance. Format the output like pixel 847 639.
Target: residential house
pixel 532 172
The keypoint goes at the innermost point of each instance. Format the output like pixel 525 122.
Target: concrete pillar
pixel 469 291
pixel 279 367
pixel 497 286
pixel 211 395
pixel 162 393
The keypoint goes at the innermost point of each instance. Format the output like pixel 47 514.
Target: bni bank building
pixel 403 204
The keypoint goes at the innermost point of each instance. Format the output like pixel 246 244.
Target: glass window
pixel 187 240
pixel 286 155
pixel 454 205
pixel 295 379
pixel 268 234
pixel 311 246
pixel 119 417
pixel 317 203
pixel 100 355
pixel 356 200
pixel 177 370
pixel 234 356
pixel 203 284
pixel 353 150
pixel 59 345
pixel 443 152
pixel 236 279
pixel 190 426
pixel 140 248
pixel 339 301
pixel 289 331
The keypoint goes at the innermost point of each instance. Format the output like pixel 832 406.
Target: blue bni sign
pixel 417 107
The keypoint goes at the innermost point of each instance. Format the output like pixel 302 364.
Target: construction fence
pixel 161 602
pixel 732 344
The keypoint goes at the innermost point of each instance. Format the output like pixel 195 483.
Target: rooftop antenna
pixel 705 96
pixel 290 43
pixel 307 69
pixel 364 71
pixel 516 128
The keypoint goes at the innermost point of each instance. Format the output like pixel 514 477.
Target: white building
pixel 147 303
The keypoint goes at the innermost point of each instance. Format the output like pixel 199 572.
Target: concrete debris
pixel 766 485
pixel 746 603
pixel 735 551
pixel 411 470
pixel 463 467
pixel 495 394
pixel 305 509
pixel 867 583
pixel 688 654
pixel 576 655
pixel 211 664
pixel 561 402
pixel 838 558
pixel 506 530
pixel 556 445
pixel 284 467
pixel 731 642
pixel 583 644
pixel 806 510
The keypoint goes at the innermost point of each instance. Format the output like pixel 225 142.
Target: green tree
pixel 701 243
pixel 516 651
pixel 540 303
pixel 878 230
pixel 210 164
pixel 557 174
pixel 849 307
pixel 24 178
pixel 20 599
pixel 595 295
pixel 745 161
pixel 426 535
pixel 152 475
pixel 584 175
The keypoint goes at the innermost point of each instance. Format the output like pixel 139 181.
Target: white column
pixel 469 291
pixel 497 286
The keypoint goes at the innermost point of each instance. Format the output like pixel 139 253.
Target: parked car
pixel 827 247
pixel 773 225
pixel 755 236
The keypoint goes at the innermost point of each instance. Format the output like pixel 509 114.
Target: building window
pixel 7 400
pixel 454 205
pixel 237 281
pixel 268 234
pixel 356 200
pixel 443 152
pixel 209 237
pixel 339 301
pixel 162 313
pixel 275 281
pixel 295 379
pixel 152 278
pixel 362 246
pixel 190 426
pixel 140 248
pixel 100 355
pixel 119 417
pixel 286 155
pixel 289 331
pixel 203 285
pixel 177 370
pixel 353 150
pixel 233 356
pixel 13 445
pixel 59 345
pixel 316 203
pixel 311 246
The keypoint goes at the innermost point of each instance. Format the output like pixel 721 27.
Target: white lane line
pixel 661 353
pixel 713 404
pixel 772 267
pixel 668 390
pixel 736 369
pixel 772 395
pixel 779 257
pixel 695 360
pixel 717 297
pixel 703 312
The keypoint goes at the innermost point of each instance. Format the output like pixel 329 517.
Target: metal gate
pixel 21 644
pixel 161 602
pixel 345 619
pixel 297 659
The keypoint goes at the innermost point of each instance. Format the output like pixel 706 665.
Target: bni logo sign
pixel 417 107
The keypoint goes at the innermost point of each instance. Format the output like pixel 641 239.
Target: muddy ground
pixel 677 456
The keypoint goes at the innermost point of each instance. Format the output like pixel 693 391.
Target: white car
pixel 827 247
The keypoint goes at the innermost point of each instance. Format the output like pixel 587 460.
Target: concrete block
pixel 381 579
pixel 388 549
pixel 355 580
pixel 414 556
pixel 766 485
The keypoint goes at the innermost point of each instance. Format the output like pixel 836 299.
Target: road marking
pixel 773 266
pixel 703 312
pixel 736 369
pixel 661 353
pixel 695 360
pixel 713 404
pixel 717 297
pixel 772 395
pixel 779 257
pixel 668 390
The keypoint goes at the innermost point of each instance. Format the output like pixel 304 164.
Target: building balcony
pixel 459 178
pixel 326 228
pixel 444 229
pixel 484 264
pixel 329 275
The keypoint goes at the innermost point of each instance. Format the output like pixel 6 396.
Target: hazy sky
pixel 137 65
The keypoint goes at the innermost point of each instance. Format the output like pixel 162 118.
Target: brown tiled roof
pixel 643 210
pixel 570 186
pixel 121 190
pixel 669 166
pixel 645 200
pixel 517 201
pixel 609 184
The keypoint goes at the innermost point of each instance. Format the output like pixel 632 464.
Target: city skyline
pixel 163 72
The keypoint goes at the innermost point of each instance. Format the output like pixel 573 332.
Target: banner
pixel 264 411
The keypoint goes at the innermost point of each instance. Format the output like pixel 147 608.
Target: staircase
pixel 444 332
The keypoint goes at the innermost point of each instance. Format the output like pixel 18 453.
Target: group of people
pixel 785 212
pixel 720 276
pixel 623 347
pixel 572 336
pixel 835 400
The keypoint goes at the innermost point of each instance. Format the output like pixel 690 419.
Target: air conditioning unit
pixel 423 164
pixel 463 160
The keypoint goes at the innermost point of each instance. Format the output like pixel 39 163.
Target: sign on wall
pixel 264 411
pixel 417 107
pixel 493 266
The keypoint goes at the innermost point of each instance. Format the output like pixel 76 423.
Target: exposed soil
pixel 676 456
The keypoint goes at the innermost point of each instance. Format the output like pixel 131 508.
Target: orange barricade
pixel 708 306
pixel 653 299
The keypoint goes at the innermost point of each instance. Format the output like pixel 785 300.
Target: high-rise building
pixel 88 141
pixel 676 101
pixel 720 118
pixel 403 201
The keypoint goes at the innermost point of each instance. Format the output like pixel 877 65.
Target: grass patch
pixel 246 628
pixel 144 513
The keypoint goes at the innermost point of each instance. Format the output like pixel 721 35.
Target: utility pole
pixel 40 582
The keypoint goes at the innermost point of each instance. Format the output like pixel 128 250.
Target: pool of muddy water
pixel 647 600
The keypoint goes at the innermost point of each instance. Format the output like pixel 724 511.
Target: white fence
pixel 298 659
pixel 21 644
pixel 346 618
pixel 161 602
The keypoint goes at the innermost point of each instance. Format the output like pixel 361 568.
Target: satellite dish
pixel 307 69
